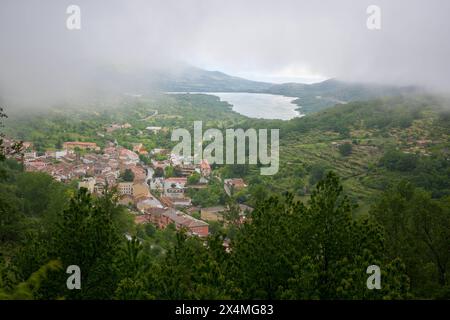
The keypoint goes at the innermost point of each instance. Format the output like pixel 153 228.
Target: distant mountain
pixel 318 96
pixel 192 79
pixel 311 97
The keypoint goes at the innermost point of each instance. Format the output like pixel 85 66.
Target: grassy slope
pixel 372 128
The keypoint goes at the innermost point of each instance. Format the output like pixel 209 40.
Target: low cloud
pixel 123 43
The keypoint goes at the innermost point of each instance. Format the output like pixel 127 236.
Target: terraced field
pixel 362 175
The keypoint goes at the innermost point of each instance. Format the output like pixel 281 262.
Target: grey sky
pixel 262 40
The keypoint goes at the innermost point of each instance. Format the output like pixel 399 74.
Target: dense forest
pixel 312 236
pixel 288 251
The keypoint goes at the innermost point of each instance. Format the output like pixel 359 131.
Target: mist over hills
pixel 312 97
pixel 109 82
pixel 196 79
pixel 317 96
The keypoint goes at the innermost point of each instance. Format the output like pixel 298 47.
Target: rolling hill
pixel 311 97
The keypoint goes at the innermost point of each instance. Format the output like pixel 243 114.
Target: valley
pixel 214 157
pixel 309 146
pixel 374 161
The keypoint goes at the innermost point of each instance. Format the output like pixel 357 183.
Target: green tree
pixel 194 178
pixel 11 217
pixel 398 161
pixel 293 251
pixel 87 236
pixel 128 175
pixel 345 149
pixel 316 173
pixel 26 290
pixel 159 172
pixel 417 230
pixel 191 271
pixel 169 172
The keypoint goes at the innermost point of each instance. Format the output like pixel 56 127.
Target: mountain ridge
pixel 113 81
pixel 310 97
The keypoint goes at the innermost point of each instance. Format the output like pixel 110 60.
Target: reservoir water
pixel 259 105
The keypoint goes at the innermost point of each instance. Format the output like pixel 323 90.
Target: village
pixel 151 194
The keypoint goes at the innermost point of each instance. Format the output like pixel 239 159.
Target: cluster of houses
pixel 155 198
pixel 93 169
pixel 162 217
pixel 113 127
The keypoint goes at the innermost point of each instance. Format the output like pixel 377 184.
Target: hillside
pixel 110 83
pixel 416 127
pixel 390 157
pixel 193 79
pixel 388 140
pixel 311 97
pixel 322 95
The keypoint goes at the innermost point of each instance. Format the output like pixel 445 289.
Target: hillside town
pixel 146 189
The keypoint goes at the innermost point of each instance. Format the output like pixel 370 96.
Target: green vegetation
pixel 213 195
pixel 193 178
pixel 288 251
pixel 391 139
pixel 128 175
pixel 345 149
pixel 312 252
pixel 48 129
pixel 417 229
pixel 311 97
pixel 311 235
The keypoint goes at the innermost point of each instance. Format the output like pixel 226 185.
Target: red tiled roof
pixel 145 218
pixel 204 164
pixel 179 180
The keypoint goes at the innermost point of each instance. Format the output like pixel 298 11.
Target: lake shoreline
pixel 258 105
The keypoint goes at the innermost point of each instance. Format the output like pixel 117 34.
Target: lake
pixel 259 105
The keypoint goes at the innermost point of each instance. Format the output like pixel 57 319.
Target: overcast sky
pixel 268 40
